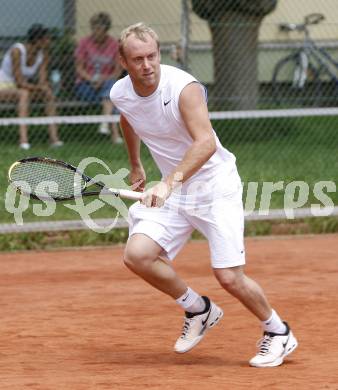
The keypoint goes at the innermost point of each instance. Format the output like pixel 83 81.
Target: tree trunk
pixel 234 39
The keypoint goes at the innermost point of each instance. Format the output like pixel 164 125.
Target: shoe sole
pixel 210 324
pixel 290 347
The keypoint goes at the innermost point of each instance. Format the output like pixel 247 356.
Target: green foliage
pixel 54 240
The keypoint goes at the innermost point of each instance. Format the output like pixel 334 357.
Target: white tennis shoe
pixel 104 129
pixel 25 146
pixel 196 325
pixel 273 348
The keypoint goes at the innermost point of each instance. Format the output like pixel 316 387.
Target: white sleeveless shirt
pixel 157 120
pixel 6 70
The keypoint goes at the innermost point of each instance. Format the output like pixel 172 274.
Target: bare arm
pixel 137 174
pixel 81 71
pixel 195 115
pixel 20 80
pixel 117 70
pixel 116 73
pixel 43 71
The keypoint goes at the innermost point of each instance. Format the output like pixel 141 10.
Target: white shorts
pixel 220 218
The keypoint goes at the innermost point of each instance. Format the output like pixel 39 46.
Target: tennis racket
pixel 45 178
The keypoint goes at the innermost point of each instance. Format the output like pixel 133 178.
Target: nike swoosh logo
pixel 205 321
pixel 165 103
pixel 284 344
pixel 184 299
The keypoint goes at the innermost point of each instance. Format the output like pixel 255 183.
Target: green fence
pixel 275 69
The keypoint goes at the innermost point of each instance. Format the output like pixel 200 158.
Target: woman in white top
pixel 21 63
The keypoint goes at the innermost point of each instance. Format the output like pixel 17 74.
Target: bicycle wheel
pixel 289 80
pixel 325 79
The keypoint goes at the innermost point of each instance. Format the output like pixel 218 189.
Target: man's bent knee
pixel 229 278
pixel 141 252
pixel 136 259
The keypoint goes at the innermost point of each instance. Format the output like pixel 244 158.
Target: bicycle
pixel 314 73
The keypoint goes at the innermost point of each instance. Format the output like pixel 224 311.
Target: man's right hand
pixel 137 178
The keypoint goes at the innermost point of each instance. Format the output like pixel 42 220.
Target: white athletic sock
pixel 191 301
pixel 274 324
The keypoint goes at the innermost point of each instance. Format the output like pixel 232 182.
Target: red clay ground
pixel 78 319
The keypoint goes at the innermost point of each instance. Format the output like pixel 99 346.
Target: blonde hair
pixel 140 30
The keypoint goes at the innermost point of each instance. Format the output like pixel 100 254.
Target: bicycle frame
pixel 309 58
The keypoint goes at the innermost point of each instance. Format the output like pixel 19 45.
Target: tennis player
pixel 166 108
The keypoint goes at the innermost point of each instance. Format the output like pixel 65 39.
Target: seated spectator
pixel 22 64
pixel 98 68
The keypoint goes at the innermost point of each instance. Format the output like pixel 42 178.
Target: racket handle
pixel 133 195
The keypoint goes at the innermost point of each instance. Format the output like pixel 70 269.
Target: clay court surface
pixel 78 319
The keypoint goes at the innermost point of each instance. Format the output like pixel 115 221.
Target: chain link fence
pixel 275 58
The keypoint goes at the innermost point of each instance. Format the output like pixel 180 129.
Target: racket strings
pixel 47 179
